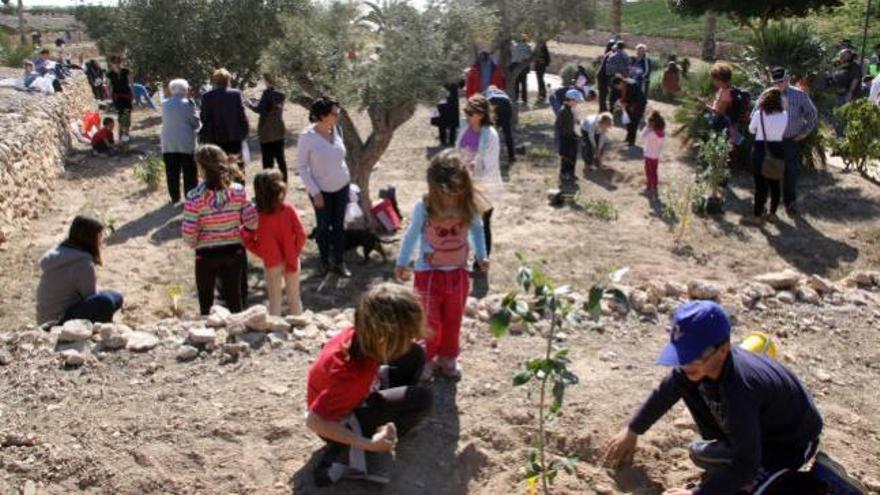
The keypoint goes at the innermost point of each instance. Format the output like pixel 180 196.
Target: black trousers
pixel 566 170
pixel 613 95
pixel 635 117
pixel 764 187
pixel 542 86
pixel 522 87
pixel 175 165
pixel 274 153
pixel 226 265
pixel 331 225
pixel 400 399
pixel 504 118
pixel 603 92
pixel 487 229
pixel 448 135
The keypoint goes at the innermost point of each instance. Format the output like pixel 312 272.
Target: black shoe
pixel 342 270
pixel 325 269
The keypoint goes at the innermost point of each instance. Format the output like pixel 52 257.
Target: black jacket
pixel 766 409
pixel 223 117
pixel 568 139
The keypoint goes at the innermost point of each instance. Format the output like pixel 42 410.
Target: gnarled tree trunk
pixel 709 32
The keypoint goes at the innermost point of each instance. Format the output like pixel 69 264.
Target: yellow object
pixel 759 343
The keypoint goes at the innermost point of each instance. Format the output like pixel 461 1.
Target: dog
pixel 361 238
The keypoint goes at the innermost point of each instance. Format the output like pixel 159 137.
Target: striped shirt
pixel 802 114
pixel 214 218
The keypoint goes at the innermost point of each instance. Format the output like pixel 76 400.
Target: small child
pixel 594 136
pixel 440 225
pixel 102 141
pixel 654 139
pixel 278 240
pixel 567 134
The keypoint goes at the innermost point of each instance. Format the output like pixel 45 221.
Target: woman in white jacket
pixel 768 124
pixel 480 149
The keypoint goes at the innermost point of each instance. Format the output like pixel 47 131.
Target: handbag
pixel 771 168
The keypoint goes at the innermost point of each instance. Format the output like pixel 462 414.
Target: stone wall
pixel 36 137
pixel 656 45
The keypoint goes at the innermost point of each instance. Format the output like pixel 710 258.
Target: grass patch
pixel 653 18
pixel 597 208
pixel 540 153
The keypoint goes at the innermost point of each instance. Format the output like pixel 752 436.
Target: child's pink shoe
pixel 449 368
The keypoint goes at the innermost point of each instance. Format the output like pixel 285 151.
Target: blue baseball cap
pixel 695 327
pixel 574 94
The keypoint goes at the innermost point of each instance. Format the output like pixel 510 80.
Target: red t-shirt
pixel 102 135
pixel 279 238
pixel 336 383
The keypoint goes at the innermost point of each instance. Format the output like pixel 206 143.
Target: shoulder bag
pixel 771 168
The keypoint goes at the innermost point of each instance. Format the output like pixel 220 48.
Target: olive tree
pixel 378 61
pixel 754 14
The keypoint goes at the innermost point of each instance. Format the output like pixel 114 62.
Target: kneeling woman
pixel 362 390
pixel 68 286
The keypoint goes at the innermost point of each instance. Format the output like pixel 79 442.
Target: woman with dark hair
pixel 213 216
pixel 270 127
pixel 768 124
pixel 122 95
pixel 95 76
pixel 68 286
pixel 480 150
pixel 322 167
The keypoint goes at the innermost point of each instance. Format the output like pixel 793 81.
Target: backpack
pixel 741 109
pixel 556 99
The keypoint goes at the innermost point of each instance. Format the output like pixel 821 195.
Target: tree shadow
pixel 145 224
pixel 658 211
pixel 605 177
pixel 85 165
pixel 320 293
pixel 823 196
pixel 427 462
pixel 151 121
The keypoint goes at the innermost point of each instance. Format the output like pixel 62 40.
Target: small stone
pixel 201 335
pixel 141 341
pixel 784 280
pixel 309 332
pixel 823 375
pixel 820 284
pixel 861 278
pixel 71 357
pixel 5 358
pixel 187 353
pixel 300 320
pixel 19 440
pixel 29 488
pixel 675 290
pixel 236 349
pixel 471 307
pixel 808 295
pixel 75 331
pixel 703 289
pixel 113 336
pixel 786 296
pixel 278 324
pixel 275 339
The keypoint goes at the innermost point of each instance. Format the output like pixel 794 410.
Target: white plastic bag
pixel 354 215
pixel 245 152
pixel 624 117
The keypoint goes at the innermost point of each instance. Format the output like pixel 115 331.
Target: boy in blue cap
pixel 756 418
pixel 568 130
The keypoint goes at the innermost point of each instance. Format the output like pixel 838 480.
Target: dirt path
pixel 146 424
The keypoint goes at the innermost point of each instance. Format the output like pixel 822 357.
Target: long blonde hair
pixel 388 319
pixel 448 176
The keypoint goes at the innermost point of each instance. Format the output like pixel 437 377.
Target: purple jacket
pixel 223 117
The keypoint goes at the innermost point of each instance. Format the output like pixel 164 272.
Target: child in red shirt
pixel 362 390
pixel 278 241
pixel 102 141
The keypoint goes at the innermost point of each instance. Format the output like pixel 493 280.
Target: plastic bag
pixel 624 118
pixel 245 152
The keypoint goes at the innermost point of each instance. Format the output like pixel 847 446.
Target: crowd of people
pixel 370 384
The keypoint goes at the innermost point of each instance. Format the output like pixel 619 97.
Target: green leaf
pixel 520 257
pixel 569 378
pixel 508 300
pixel 593 306
pixel 522 378
pixel 524 277
pixel 538 277
pixel 619 297
pixel 561 354
pixel 499 322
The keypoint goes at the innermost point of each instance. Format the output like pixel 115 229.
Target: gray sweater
pixel 68 278
pixel 179 125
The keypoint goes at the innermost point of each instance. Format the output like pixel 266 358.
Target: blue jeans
pixel 792 152
pixel 97 308
pixel 140 91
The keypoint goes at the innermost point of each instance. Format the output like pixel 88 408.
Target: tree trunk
pixel 711 28
pixel 617 17
pixel 363 155
pixel 21 35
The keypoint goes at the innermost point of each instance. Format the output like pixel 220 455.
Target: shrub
pixel 680 201
pixel 569 70
pixel 692 115
pixel 597 208
pixel 150 171
pixel 714 155
pixel 860 143
pixel 791 45
pixel 12 55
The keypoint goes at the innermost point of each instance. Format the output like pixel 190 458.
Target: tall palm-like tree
pixel 617 16
pixel 709 32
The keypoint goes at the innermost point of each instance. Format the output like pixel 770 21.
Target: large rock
pixel 254 318
pixel 113 336
pixel 784 280
pixel 187 353
pixel 675 289
pixel 820 284
pixel 861 278
pixel 703 289
pixel 218 317
pixel 277 324
pixel 201 335
pixel 808 295
pixel 72 357
pixel 301 320
pixel 141 341
pixel 758 290
pixel 75 331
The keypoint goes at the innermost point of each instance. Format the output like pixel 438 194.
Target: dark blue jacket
pixel 223 118
pixel 766 407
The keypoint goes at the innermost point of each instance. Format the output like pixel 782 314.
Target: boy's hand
pixel 483 266
pixel 620 448
pixel 384 440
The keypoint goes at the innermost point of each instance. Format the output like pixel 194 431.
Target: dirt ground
pixel 146 424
